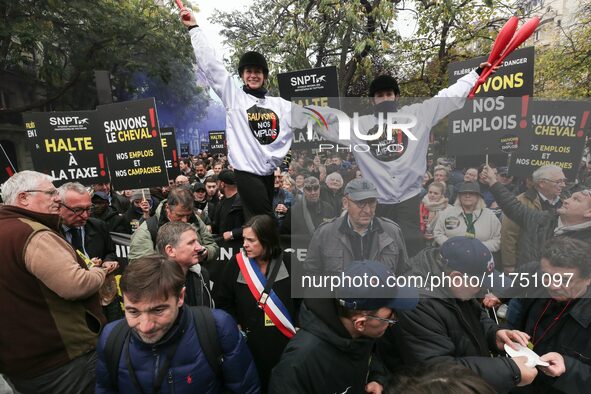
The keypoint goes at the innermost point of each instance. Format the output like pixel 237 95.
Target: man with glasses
pixel 90 238
pixel 333 352
pixel 51 315
pixel 309 212
pixel 178 207
pixel 571 219
pixel 549 181
pixel 357 235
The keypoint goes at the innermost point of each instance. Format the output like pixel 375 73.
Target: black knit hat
pixel 253 58
pixel 383 82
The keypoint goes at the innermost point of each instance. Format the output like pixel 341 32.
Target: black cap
pixel 227 176
pixel 383 82
pixel 377 293
pixel 198 186
pixel 253 58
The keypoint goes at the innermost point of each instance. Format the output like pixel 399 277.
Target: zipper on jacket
pixel 170 381
pixel 156 362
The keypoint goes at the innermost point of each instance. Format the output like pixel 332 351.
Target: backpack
pixel 206 334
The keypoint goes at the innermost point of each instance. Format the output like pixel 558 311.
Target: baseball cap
pixel 375 293
pixel 360 189
pixel 227 176
pixel 503 170
pixel 469 256
pixel 198 186
pixel 101 195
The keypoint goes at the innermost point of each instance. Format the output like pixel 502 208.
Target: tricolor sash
pixel 270 303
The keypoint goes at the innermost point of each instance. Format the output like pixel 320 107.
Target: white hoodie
pixel 399 178
pixel 257 146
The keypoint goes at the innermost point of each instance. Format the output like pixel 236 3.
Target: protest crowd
pixel 189 287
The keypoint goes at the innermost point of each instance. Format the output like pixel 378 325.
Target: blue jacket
pixel 189 370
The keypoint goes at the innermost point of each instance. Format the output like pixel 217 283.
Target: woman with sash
pixel 256 290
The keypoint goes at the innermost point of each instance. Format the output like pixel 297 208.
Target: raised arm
pixel 211 65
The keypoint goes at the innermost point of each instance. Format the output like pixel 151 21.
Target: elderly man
pixel 572 219
pixel 549 182
pixel 51 315
pixel 357 235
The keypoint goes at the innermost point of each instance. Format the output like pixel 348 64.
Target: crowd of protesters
pixel 202 300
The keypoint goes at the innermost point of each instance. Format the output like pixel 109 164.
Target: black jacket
pixel 115 222
pixel 334 199
pixel 233 222
pixel 323 358
pixel 119 203
pixel 570 337
pixel 295 223
pixel 198 292
pixel 537 226
pixel 98 242
pixel 437 331
pixel 265 341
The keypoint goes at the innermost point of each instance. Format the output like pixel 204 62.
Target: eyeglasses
pixel 390 322
pixel 79 211
pixel 312 188
pixel 556 181
pixel 372 202
pixel 50 192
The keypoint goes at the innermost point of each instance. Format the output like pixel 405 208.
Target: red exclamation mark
pixel 102 164
pixel 174 160
pixel 524 105
pixel 273 124
pixel 153 120
pixel 9 171
pixel 399 137
pixel 585 116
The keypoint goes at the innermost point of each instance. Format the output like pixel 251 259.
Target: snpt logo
pixel 385 135
pixel 307 79
pixel 67 120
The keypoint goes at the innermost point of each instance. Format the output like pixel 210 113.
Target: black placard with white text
pixel 67 145
pixel 171 156
pixel 490 122
pixel 315 86
pixel 133 144
pixel 217 142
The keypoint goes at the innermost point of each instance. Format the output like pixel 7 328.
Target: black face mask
pixel 385 107
pixel 258 93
